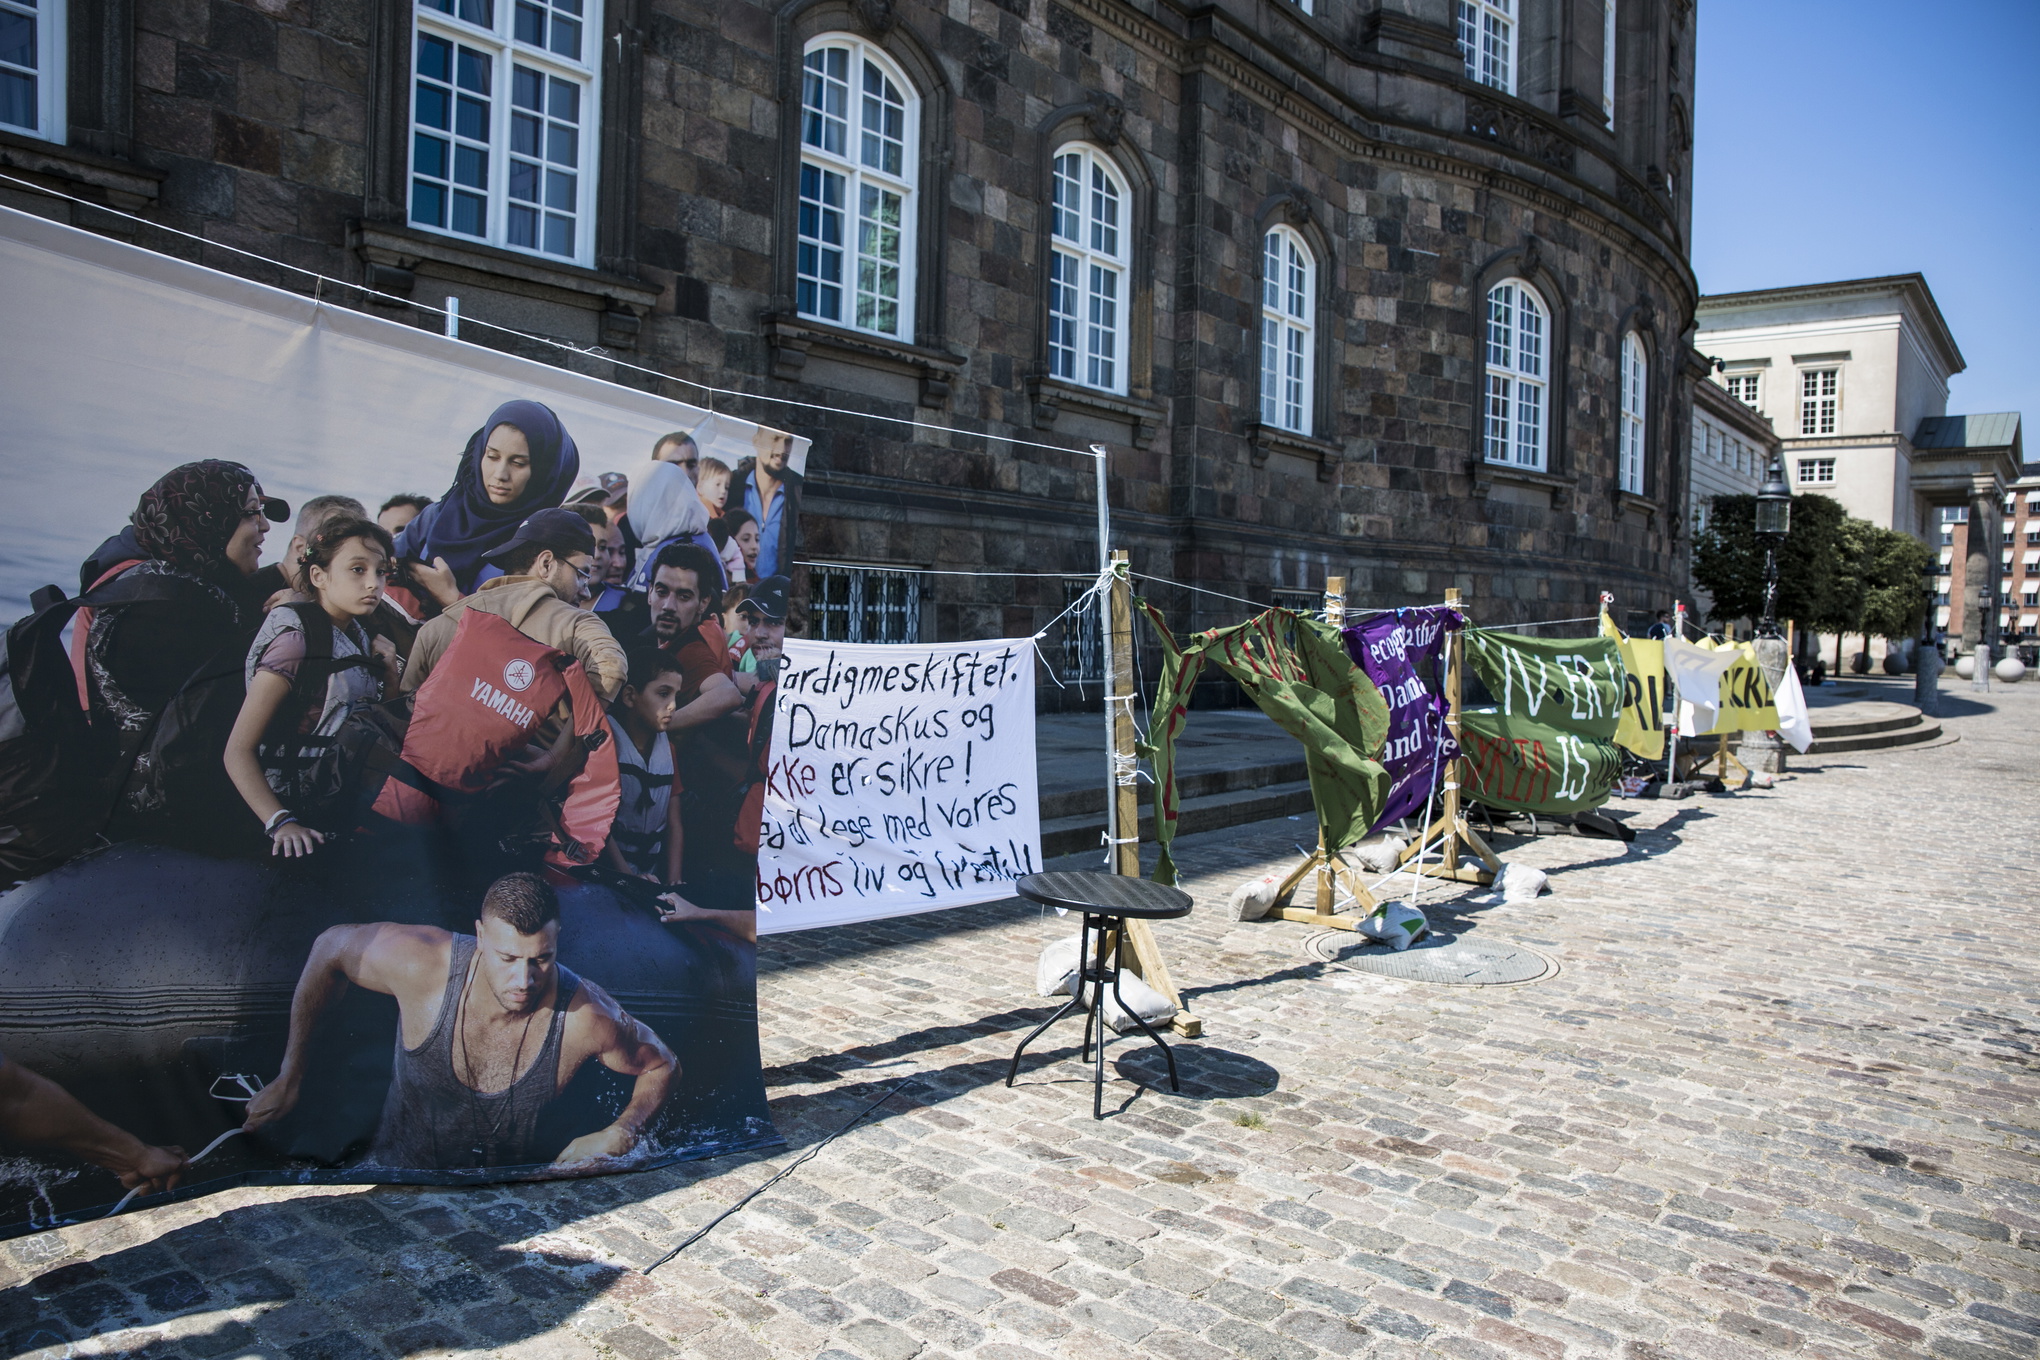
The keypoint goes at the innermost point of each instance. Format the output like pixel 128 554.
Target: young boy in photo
pixel 645 839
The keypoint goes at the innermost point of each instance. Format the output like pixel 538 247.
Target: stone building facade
pixel 1397 289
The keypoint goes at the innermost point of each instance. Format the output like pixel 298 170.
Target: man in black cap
pixel 764 614
pixel 545 565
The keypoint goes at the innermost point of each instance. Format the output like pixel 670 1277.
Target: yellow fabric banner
pixel 1747 704
pixel 1642 728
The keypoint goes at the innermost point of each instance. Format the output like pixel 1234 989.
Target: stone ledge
pixel 793 338
pixel 394 255
pixel 1486 474
pixel 1050 395
pixel 1265 439
pixel 120 184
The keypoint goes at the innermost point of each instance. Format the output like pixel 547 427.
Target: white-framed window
pixel 1487 42
pixel 2033 503
pixel 32 58
pixel 1518 375
pixel 1088 276
pixel 1700 517
pixel 1305 6
pixel 1819 398
pixel 1743 387
pixel 1629 435
pixel 1816 470
pixel 1288 344
pixel 1083 641
pixel 504 113
pixel 860 604
pixel 860 133
pixel 1608 60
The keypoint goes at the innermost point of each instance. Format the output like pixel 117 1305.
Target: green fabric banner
pixel 1547 744
pixel 1297 672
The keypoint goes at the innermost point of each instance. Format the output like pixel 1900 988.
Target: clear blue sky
pixel 1840 139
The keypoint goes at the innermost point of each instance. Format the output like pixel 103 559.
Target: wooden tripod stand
pixel 1722 760
pixel 1451 825
pixel 1320 862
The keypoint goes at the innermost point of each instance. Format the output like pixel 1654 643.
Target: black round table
pixel 1107 902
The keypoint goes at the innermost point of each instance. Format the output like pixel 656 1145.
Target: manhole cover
pixel 1448 959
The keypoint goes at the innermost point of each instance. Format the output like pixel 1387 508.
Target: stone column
pixel 1980 576
pixel 1765 752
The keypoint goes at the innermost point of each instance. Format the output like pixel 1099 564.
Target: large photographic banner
pixel 330 861
pixel 902 780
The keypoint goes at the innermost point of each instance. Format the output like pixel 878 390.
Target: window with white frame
pixel 1288 350
pixel 1743 387
pixel 858 604
pixel 1629 435
pixel 1819 397
pixel 1518 375
pixel 1087 281
pixel 1487 41
pixel 1608 60
pixel 505 104
pixel 32 52
pixel 1816 469
pixel 859 168
pixel 1083 642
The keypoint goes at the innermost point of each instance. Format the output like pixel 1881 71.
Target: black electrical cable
pixel 775 1178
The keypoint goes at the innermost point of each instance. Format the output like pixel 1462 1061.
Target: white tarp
pixel 117 364
pixel 902 781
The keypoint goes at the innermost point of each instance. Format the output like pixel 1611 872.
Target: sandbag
pixel 1380 853
pixel 1520 883
pixel 1396 924
pixel 1143 1000
pixel 1055 974
pixel 1255 898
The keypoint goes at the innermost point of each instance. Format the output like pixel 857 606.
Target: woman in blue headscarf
pixel 521 461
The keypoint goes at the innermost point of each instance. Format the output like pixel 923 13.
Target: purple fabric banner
pixel 1403 653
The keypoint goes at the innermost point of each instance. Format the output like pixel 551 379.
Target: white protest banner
pixel 902 781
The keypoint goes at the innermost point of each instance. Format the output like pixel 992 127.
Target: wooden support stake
pixel 1144 954
pixel 1451 824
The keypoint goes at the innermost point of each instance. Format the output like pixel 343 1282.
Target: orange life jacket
pixel 490 691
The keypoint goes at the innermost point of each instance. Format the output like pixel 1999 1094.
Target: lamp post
pixel 1774 522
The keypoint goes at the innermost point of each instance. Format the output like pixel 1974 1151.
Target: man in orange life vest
pixel 546 563
pixel 490 1030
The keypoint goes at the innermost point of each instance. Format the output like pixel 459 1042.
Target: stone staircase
pixel 1073 820
pixel 1869 725
pixel 1232 767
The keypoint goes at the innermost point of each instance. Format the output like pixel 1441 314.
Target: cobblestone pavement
pixel 1780 1099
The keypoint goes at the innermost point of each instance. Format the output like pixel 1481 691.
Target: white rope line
pixel 204 1152
pixel 595 352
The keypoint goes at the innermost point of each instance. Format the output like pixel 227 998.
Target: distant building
pixel 1732 447
pixel 1854 376
pixel 2018 611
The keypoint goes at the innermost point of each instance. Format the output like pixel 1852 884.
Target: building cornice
pixel 1911 288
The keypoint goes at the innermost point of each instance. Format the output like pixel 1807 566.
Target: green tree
pixel 1894 601
pixel 1816 571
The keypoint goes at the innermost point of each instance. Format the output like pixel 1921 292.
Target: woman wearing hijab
pixel 200 529
pixel 520 461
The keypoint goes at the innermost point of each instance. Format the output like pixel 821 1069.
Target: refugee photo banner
pixel 901 780
pixel 324 863
pixel 1546 741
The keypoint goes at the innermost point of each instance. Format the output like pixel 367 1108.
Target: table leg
pixel 1155 1038
pixel 1098 1013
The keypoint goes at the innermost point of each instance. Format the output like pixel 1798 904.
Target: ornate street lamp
pixel 1774 521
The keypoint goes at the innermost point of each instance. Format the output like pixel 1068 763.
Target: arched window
pixel 1518 375
pixel 859 167
pixel 1629 433
pixel 1288 346
pixel 1087 278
